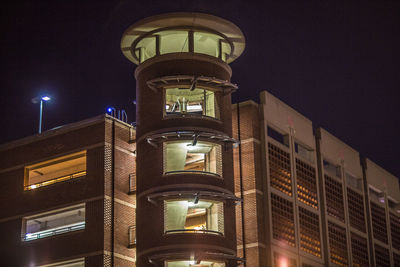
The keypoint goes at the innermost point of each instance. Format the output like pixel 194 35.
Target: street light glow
pixel 46 98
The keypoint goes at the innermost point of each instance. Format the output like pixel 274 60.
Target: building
pixel 199 181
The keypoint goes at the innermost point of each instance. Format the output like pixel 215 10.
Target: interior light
pixel 33 186
pixel 283 262
pixel 191 204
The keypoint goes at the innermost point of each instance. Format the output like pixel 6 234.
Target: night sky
pixel 337 64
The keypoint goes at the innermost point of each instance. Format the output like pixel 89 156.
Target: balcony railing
pixel 54 231
pixel 55 180
pixel 132 236
pixel 132 183
pixel 202 231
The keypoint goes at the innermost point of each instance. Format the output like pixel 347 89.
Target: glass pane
pixel 183 156
pixel 187 216
pixel 173 42
pixel 194 264
pixel 206 43
pixel 226 50
pixel 147 47
pixel 194 102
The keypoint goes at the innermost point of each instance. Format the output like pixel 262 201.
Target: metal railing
pixel 203 231
pixel 54 231
pixel 132 183
pixel 193 171
pixel 55 180
pixel 132 236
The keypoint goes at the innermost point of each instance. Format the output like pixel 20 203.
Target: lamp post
pixel 40 99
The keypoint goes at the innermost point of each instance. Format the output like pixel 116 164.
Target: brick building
pixel 101 192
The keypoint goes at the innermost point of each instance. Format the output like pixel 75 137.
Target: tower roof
pixel 227 31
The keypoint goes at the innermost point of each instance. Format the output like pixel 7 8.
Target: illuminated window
pixel 174 41
pixel 70 263
pixel 54 222
pixel 191 216
pixel 210 44
pixel 146 48
pixel 194 264
pixel 179 40
pixel 183 156
pixel 181 101
pixel 55 170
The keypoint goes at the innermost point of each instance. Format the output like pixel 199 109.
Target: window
pixel 304 152
pixel 55 170
pixel 277 136
pixel 183 101
pixel 210 44
pixel 187 216
pixel 192 156
pixel 332 169
pixel 194 264
pixel 54 222
pixel 178 41
pixel 146 48
pixel 173 41
pixel 353 181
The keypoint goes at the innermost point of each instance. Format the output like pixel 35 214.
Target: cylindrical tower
pixel 185 202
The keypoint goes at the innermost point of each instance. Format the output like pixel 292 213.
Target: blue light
pixel 46 98
pixel 109 110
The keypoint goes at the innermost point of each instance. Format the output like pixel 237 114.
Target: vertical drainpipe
pixel 241 186
pixel 363 162
pixel 322 197
pixel 112 189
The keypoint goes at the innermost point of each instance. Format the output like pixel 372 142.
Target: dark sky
pixel 336 63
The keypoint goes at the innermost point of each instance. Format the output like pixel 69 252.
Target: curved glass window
pixel 146 48
pixel 180 41
pixel 194 264
pixel 188 156
pixel 180 101
pixel 210 44
pixel 174 41
pixel 191 216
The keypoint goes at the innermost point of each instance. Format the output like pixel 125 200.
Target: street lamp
pixel 40 99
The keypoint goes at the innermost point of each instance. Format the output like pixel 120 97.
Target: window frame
pixel 217 103
pixel 51 162
pixel 80 227
pixel 218 232
pixel 218 160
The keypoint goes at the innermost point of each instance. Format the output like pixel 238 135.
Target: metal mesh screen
pixel 395 230
pixel 359 250
pixel 334 198
pixel 107 158
pixel 356 210
pixel 107 212
pixel 106 260
pixel 306 184
pixel 309 232
pixel 379 223
pixel 219 160
pixel 221 226
pixel 279 169
pixel 382 257
pixel 282 220
pixel 337 244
